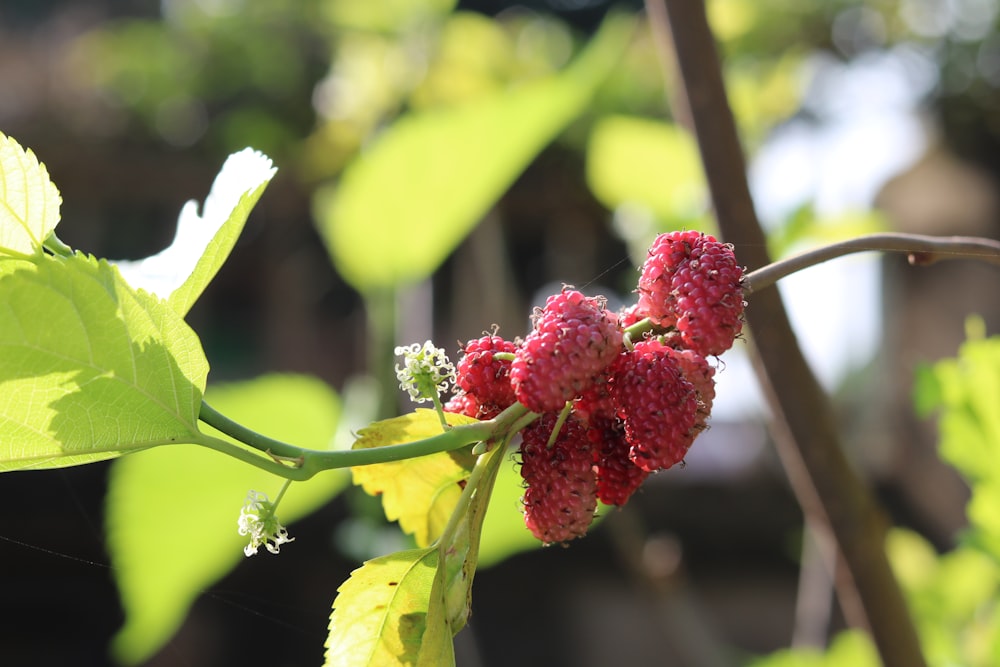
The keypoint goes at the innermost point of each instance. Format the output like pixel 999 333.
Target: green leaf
pixel 420 492
pixel 403 205
pixel 953 598
pixel 383 612
pixel 648 163
pixel 181 271
pixel 172 511
pixel 29 200
pixel 89 368
pixel 968 389
pixel 437 604
pixel 851 648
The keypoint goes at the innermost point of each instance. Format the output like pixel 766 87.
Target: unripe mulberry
pixel 658 405
pixel 573 340
pixel 692 282
pixel 561 494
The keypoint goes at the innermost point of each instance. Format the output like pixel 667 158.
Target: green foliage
pixel 642 162
pixel 221 243
pixel 171 512
pixel 420 492
pixel 180 272
pixel 852 648
pixel 91 368
pixel 29 201
pixel 953 598
pixel 967 392
pixel 403 205
pixel 387 610
pixel 404 608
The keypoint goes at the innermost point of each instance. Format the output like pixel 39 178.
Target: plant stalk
pixel 803 426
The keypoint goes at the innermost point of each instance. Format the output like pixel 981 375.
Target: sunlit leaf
pixel 382 613
pixel 172 511
pixel 953 598
pixel 641 162
pixel 422 186
pixel 89 368
pixel 29 200
pixel 851 648
pixel 968 390
pixel 420 492
pixel 180 272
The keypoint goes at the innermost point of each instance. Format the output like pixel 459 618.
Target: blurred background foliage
pixel 857 115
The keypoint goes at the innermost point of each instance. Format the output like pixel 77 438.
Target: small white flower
pixel 257 520
pixel 426 371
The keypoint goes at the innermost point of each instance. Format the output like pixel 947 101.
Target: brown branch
pixel 921 249
pixel 803 426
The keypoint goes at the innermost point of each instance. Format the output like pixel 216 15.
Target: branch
pixel 304 463
pixel 803 426
pixel 922 250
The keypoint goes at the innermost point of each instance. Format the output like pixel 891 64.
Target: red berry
pixel 484 376
pixel 617 476
pixel 692 281
pixel 561 494
pixel 573 340
pixel 657 403
pixel 466 404
pixel 700 374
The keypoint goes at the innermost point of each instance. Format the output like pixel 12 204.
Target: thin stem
pixel 311 461
pixel 483 463
pixel 54 245
pixel 221 422
pixel 922 250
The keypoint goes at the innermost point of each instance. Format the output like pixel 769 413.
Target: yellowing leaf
pixel 420 492
pixel 381 613
pixel 29 200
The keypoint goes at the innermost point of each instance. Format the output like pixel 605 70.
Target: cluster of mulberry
pixel 613 410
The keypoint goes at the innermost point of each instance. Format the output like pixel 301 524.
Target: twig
pixel 922 250
pixel 803 426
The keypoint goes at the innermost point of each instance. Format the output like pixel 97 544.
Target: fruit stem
pixel 921 249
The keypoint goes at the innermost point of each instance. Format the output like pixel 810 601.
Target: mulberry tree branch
pixel 829 490
pixel 922 250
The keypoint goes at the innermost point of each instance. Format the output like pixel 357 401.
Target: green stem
pixel 308 462
pixel 922 250
pixel 54 245
pixel 483 464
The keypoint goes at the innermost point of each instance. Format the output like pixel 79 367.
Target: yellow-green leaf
pixel 89 368
pixel 29 200
pixel 405 203
pixel 647 163
pixel 172 511
pixel 420 492
pixel 382 613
